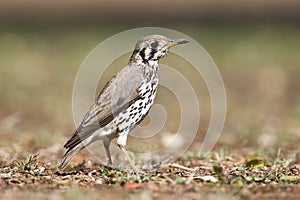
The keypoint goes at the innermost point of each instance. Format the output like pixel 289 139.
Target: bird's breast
pixel 131 116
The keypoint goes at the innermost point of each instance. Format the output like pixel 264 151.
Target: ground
pixel 218 176
pixel 256 156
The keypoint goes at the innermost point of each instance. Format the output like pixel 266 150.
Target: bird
pixel 124 101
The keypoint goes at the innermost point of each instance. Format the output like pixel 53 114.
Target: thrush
pixel 124 101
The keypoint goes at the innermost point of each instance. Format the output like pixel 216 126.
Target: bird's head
pixel 153 47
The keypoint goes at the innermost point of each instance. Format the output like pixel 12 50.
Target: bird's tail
pixel 69 155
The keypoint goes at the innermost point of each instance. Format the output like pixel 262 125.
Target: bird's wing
pixel 117 95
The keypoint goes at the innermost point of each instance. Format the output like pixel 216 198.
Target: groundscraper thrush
pixel 124 101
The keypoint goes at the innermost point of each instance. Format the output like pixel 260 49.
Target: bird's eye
pixel 154 45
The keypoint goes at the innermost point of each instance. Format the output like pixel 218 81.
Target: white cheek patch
pixel 147 52
pixel 162 53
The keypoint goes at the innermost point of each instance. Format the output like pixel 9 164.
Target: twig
pixel 175 165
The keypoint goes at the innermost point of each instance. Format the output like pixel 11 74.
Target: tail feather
pixel 69 155
pixel 80 135
pixel 73 150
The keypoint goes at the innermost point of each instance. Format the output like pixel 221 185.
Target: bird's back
pixel 122 103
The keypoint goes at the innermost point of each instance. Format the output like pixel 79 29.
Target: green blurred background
pixel 255 44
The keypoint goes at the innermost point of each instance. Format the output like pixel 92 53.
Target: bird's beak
pixel 174 42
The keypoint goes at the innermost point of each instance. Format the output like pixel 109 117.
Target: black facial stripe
pixel 152 53
pixel 135 51
pixel 143 56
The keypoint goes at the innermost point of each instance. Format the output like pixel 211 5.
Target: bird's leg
pixel 129 159
pixel 122 142
pixel 106 143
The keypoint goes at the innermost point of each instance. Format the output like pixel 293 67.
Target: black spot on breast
pixel 121 121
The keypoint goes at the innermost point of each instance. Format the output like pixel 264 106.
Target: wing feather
pixel 117 95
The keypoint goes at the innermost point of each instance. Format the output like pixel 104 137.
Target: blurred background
pixel 255 44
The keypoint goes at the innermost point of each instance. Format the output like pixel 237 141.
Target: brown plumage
pixel 124 101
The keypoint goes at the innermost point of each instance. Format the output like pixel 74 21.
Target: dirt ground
pixel 256 157
pixel 213 177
